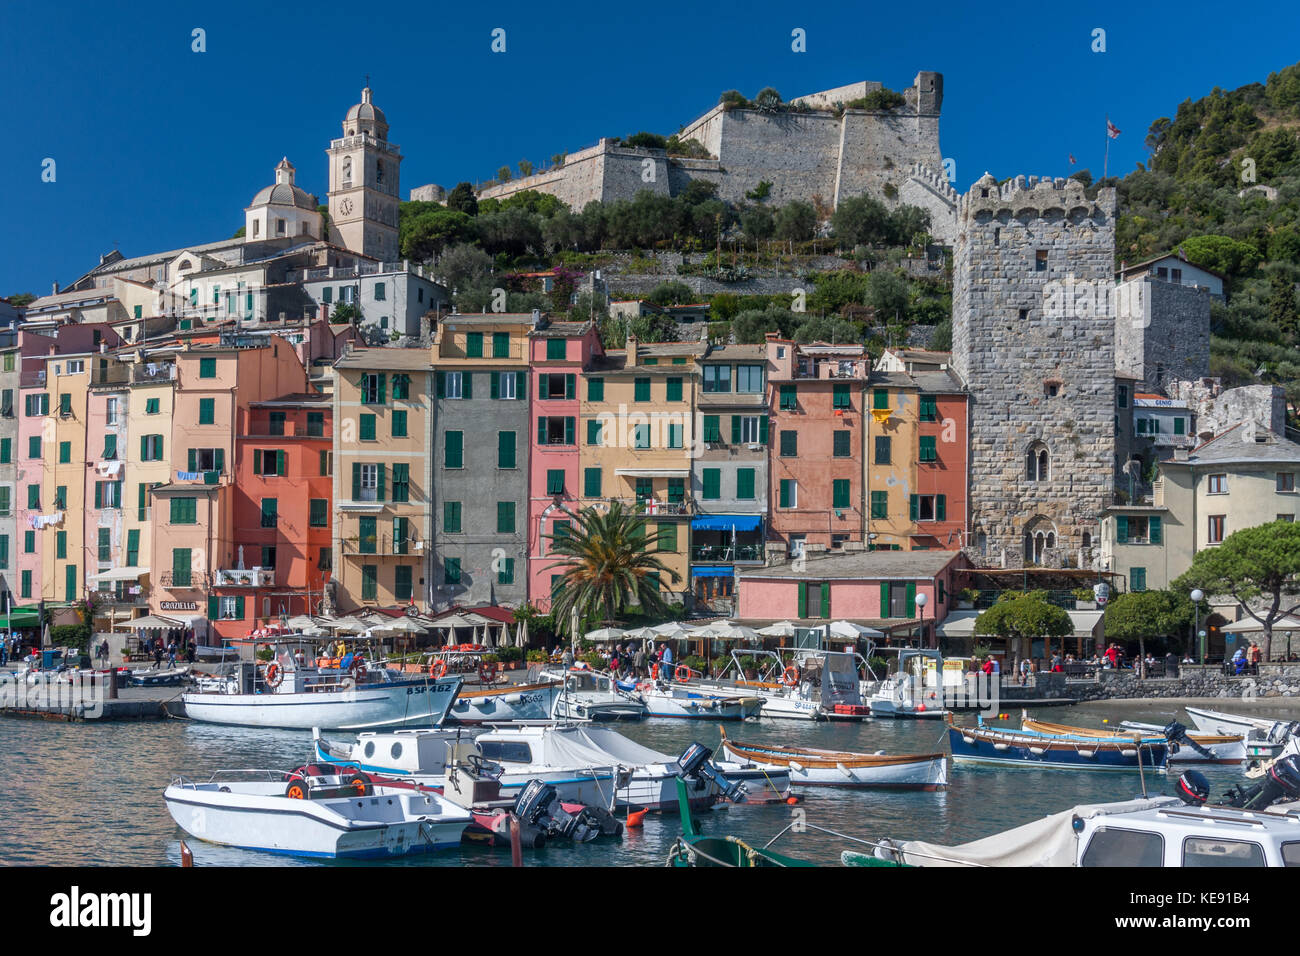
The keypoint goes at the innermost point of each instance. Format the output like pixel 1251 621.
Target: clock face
pixel 345 207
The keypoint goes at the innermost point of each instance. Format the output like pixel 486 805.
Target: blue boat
pixel 1013 748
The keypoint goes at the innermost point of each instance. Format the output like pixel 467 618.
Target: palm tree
pixel 607 565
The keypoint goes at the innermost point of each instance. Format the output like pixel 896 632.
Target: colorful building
pixel 481 424
pixel 638 435
pixel 560 352
pixel 816 476
pixel 383 478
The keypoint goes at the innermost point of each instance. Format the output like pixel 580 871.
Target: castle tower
pixel 364 182
pixel 1034 340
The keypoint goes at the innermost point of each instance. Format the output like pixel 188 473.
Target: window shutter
pixel 383 383
pixel 570 430
pixel 544 386
pixel 541 429
pixel 762 429
pixel 379 484
pixel 99 494
pixel 914 507
pixel 570 386
pixel 1154 524
pixel 356 481
pixel 442 384
pixel 735 429
pixel 826 599
pixel 591 483
pixel 712 482
pixel 803 599
pixel 193 460
pixel 467 386
pixel 1121 529
pixel 495 385
pixel 595 389
pixel 213 613
pixel 279 463
pixel 911 599
pixel 521 385
pixel 219 459
pixel 239 607
pixel 941 507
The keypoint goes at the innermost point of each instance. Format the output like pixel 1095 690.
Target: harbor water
pixel 91 794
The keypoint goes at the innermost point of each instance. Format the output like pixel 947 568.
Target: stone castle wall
pixel 930 190
pixel 1162 331
pixel 1011 346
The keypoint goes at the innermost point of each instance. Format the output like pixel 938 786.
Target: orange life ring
pixel 487 672
pixel 274 675
pixel 790 676
pixel 438 667
pixel 682 673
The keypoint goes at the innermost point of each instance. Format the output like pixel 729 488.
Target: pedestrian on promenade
pixel 638 662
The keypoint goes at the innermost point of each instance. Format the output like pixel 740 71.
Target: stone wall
pixel 1162 331
pixel 1014 350
pixel 1273 680
pixel 930 190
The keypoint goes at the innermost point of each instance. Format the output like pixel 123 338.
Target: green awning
pixel 22 617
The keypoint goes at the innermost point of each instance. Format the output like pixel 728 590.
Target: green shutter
pixel 521 386
pixel 1153 523
pixel 667 536
pixel 280 464
pixel 454 445
pixel 474 345
pixel 505 517
pixel 593 431
pixel 884 599
pixel 641 390
pixel 570 386
pixel 840 396
pixel 745 483
pixel 762 429
pixel 193 460
pixel 451 517
pixel 379 483
pixel 442 384
pixel 555 481
pixel 911 599
pixel 239 607
pixel 712 430
pixel 505 449
pixel 914 507
pixel 595 389
pixel 541 429
pixel 214 609
pixel 356 481
pixel 803 599
pixel 735 429
pixel 826 599
pixel 494 383
pixel 940 507
pixel 786 485
pixel 1121 529
pixel 99 494
pixel 674 389
pixel 570 429
pixel 591 483
pixel 840 493
pixel 219 459
pixel 712 483
pixel 467 385
pixel 544 386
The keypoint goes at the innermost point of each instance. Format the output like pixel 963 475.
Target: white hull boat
pixel 506 703
pixel 810 767
pixel 345 821
pixel 1215 722
pixel 913 691
pixel 393 703
pixel 421 757
pixel 587 695
pixel 676 700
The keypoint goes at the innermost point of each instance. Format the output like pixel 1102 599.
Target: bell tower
pixel 364 183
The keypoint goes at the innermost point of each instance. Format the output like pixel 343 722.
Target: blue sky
pixel 157 147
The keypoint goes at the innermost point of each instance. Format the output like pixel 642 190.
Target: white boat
pixel 425 756
pixel 643 778
pixel 499 704
pixel 914 690
pixel 292 694
pixel 331 818
pixel 590 695
pixel 811 767
pixel 1215 722
pixel 1157 831
pixel 1225 748
pixel 783 693
pixel 679 700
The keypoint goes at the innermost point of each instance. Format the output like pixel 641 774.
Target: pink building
pixel 877 589
pixel 556 350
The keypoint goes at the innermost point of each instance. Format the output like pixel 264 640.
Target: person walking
pixel 638 662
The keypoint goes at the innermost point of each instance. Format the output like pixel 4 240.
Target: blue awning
pixel 727 523
pixel 712 571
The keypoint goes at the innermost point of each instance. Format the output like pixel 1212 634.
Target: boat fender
pixel 708 704
pixel 967 738
pixel 1037 751
pixel 513 699
pixel 796 767
pixel 1000 746
pixel 880 753
pixel 844 770
pixel 1129 752
pixel 635 818
pixel 483 703
pixel 1087 753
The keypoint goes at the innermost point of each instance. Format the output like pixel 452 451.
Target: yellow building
pixel 382 469
pixel 149 411
pixel 638 437
pixel 890 460
pixel 62 446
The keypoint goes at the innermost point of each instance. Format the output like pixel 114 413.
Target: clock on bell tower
pixel 364 181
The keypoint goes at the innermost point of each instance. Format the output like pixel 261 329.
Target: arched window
pixel 347 171
pixel 1038 463
pixel 1087 540
pixel 1040 538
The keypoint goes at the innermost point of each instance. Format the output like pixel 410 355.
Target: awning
pixel 22 617
pixel 958 624
pixel 713 571
pixel 120 574
pixel 1248 624
pixel 1085 622
pixel 727 523
pixel 653 472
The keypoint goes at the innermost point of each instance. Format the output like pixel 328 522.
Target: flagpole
pixel 1105 163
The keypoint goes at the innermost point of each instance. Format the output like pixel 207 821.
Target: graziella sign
pixel 178 606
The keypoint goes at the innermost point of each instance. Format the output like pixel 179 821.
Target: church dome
pixel 366 117
pixel 283 192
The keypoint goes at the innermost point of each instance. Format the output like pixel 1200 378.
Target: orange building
pixel 281 510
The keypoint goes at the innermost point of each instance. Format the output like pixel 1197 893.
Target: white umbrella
pixel 670 630
pixel 404 625
pixel 641 634
pixel 521 634
pixel 780 629
pixel 349 625
pixel 849 629
pixel 730 631
pixel 605 635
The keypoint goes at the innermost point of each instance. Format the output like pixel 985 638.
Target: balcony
pixel 741 553
pixel 113 375
pixel 383 545
pixel 153 372
pixel 655 507
pixel 245 578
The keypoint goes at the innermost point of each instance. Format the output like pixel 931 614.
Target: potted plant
pixel 537 656
pixel 966 598
pixel 1084 599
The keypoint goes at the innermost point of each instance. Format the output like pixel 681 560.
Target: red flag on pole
pixel 1112 130
pixel 1072 159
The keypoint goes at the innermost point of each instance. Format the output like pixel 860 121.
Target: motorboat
pixel 1265 736
pixel 591 695
pixel 985 745
pixel 915 689
pixel 164 677
pixel 328 816
pixel 1198 748
pixel 814 684
pixel 295 691
pixel 498 704
pixel 642 778
pixel 811 767
pixel 428 757
pixel 665 699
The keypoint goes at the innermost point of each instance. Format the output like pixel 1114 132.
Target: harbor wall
pixel 1273 680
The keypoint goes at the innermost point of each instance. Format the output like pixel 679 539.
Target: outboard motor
pixel 1281 782
pixel 1193 788
pixel 694 762
pixel 1176 734
pixel 1281 731
pixel 539 805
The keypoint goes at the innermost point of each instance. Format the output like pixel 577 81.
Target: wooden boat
pixel 811 767
pixel 1011 748
pixel 1226 748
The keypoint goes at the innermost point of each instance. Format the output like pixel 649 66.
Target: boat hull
pixel 922 772
pixel 1223 749
pixel 1215 722
pixel 276 824
pixel 521 702
pixel 418 703
pixel 1018 750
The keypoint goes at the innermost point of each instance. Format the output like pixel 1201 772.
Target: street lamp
pixel 921 600
pixel 1197 597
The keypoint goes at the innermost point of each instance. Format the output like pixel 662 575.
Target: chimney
pixel 537 318
pixel 55 289
pixel 324 312
pixel 1180 454
pixel 631 350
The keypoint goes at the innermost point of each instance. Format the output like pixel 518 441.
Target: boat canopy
pixel 1050 841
